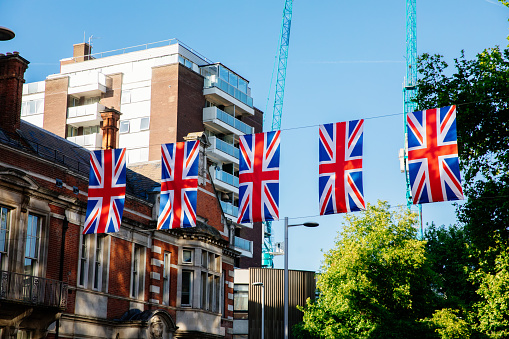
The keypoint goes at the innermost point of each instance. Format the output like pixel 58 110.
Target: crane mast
pixel 410 90
pixel 267 250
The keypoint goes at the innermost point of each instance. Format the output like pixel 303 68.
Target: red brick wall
pixel 190 102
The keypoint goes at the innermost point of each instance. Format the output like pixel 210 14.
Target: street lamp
pixel 307 224
pixel 263 305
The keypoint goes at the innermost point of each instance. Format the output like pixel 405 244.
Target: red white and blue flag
pixel 179 185
pixel 433 164
pixel 340 167
pixel 106 191
pixel 259 177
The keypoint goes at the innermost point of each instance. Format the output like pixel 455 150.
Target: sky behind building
pixel 346 61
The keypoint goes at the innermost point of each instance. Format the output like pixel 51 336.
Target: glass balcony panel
pixel 244 244
pixel 227 178
pixel 230 209
pixel 227 148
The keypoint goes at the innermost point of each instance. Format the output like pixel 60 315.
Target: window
pixel 166 278
pixel 83 261
pixel 204 259
pixel 32 244
pixel 144 124
pixel 240 297
pixel 187 256
pixel 32 107
pixel 210 286
pixel 91 130
pixel 126 97
pixel 223 290
pixel 73 101
pixel 187 280
pixel 93 100
pixel 138 272
pixel 204 301
pixel 93 261
pixel 124 126
pixel 4 237
pixel 98 260
pixel 72 131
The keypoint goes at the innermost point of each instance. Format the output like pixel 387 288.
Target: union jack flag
pixel 259 177
pixel 106 191
pixel 340 167
pixel 433 164
pixel 179 185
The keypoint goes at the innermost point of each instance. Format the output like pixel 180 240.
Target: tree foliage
pixel 480 89
pixel 374 282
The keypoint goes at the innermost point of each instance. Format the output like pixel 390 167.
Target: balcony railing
pixel 211 113
pixel 244 244
pixel 227 88
pixel 230 209
pixel 227 178
pixel 91 110
pixel 32 290
pixel 84 79
pixel 93 140
pixel 224 147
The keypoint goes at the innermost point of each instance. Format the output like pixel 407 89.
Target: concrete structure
pixel 248 298
pixel 164 91
pixel 136 283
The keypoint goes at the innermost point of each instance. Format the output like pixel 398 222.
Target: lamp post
pixel 307 224
pixel 263 306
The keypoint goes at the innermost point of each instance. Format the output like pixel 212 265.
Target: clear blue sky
pixel 346 61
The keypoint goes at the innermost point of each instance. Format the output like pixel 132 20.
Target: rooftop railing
pixel 140 48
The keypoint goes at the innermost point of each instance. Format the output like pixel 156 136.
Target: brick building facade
pixel 136 283
pixel 164 91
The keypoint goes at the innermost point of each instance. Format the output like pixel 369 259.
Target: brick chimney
pixel 12 70
pixel 81 52
pixel 109 127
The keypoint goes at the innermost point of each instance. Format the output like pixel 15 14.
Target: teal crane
pixel 410 89
pixel 284 42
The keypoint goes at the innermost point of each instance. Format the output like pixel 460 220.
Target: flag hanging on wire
pixel 179 185
pixel 340 167
pixel 433 155
pixel 106 191
pixel 259 177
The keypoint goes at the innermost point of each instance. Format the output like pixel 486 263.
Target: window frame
pixel 137 283
pixel 190 289
pixel 4 233
pixel 35 258
pixel 166 278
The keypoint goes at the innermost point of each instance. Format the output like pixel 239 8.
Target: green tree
pixel 480 89
pixel 449 257
pixel 375 282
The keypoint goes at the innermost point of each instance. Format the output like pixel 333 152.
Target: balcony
pixel 85 115
pixel 230 209
pixel 244 246
pixel 218 120
pixel 221 151
pixel 87 84
pixel 91 141
pixel 225 86
pixel 226 181
pixel 27 289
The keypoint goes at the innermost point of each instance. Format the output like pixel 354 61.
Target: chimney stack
pixel 81 52
pixel 109 127
pixel 12 70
